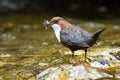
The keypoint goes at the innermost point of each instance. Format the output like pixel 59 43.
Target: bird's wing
pixel 73 37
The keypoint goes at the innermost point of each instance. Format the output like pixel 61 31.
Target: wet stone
pixel 43 64
pixel 69 72
pixel 44 43
pixel 116 54
pixel 105 66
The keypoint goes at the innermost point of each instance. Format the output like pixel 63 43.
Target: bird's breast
pixel 57 29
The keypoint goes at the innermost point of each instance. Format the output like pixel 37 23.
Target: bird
pixel 71 36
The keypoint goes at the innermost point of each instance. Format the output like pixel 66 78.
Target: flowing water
pixel 27 48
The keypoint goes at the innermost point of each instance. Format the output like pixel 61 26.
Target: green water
pixel 25 43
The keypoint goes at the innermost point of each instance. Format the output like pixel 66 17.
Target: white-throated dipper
pixel 71 36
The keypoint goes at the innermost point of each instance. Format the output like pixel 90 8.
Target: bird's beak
pixel 46 23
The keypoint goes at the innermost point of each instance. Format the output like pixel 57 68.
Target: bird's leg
pixel 85 54
pixel 71 59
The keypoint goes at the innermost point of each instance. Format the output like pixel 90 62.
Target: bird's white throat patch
pixel 57 30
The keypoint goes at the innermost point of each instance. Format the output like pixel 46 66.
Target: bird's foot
pixel 85 62
pixel 89 59
pixel 72 61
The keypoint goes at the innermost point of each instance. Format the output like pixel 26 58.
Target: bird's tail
pixel 97 33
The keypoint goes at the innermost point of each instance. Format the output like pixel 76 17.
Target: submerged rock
pixel 43 64
pixel 44 43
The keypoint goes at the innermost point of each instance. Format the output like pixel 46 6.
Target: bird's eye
pixel 56 21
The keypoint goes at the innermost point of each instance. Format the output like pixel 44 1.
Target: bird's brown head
pixel 57 21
